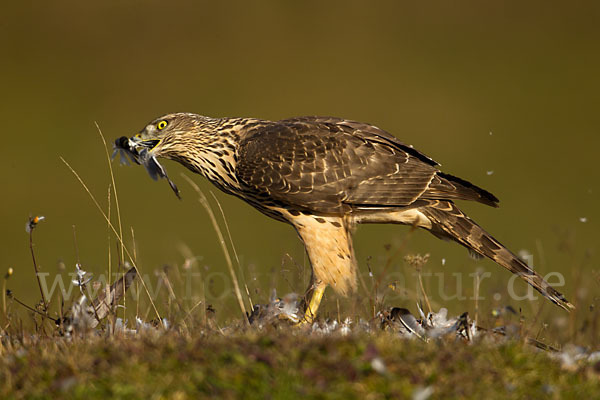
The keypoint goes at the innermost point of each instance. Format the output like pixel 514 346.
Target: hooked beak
pixel 138 143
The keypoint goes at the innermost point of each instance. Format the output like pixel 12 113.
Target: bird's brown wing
pixel 364 131
pixel 328 165
pixel 442 185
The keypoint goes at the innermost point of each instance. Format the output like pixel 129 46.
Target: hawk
pixel 324 175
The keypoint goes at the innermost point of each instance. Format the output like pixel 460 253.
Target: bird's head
pixel 170 135
pixel 183 137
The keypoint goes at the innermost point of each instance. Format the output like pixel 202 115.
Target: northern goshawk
pixel 324 175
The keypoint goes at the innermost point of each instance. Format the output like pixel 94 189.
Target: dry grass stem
pixel 114 187
pixel 232 244
pixel 108 210
pixel 37 270
pixel 477 284
pixel 204 201
pixel 418 261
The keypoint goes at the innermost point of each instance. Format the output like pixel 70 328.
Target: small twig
pixel 61 312
pixel 12 297
pixel 82 289
pixel 32 223
pixel 9 272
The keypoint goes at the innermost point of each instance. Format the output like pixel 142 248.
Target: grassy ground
pixel 285 363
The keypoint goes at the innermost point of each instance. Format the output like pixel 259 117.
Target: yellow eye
pixel 161 125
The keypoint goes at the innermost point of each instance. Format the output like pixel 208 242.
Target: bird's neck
pixel 215 158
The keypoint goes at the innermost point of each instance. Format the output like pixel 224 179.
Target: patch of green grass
pixel 284 364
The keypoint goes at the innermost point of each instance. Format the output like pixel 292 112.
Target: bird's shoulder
pixel 330 133
pixel 366 132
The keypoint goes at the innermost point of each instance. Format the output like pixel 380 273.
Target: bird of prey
pixel 324 175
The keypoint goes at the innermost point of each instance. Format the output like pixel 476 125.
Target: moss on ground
pixel 284 364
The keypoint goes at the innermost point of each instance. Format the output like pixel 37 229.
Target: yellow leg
pixel 313 305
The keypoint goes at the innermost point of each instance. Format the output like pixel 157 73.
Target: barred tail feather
pixel 449 222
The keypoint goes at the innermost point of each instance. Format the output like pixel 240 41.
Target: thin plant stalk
pixel 107 289
pixel 33 309
pixel 204 201
pixel 189 313
pixel 477 283
pixel 249 297
pixel 418 261
pixel 423 291
pixel 4 294
pixel 397 251
pixel 374 286
pixel 37 272
pixel 173 297
pixel 133 243
pixel 232 245
pixel 114 187
pixel 4 299
pixel 108 210
pixel 203 316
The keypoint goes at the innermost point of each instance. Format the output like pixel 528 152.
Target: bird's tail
pixel 450 223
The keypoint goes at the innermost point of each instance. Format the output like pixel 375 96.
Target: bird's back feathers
pixel 331 165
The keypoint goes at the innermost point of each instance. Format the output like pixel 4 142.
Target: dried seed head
pixel 416 260
pixel 32 222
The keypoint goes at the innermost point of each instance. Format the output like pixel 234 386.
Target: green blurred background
pixel 504 94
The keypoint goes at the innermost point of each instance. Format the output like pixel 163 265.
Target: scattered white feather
pixel 422 393
pixel 378 365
